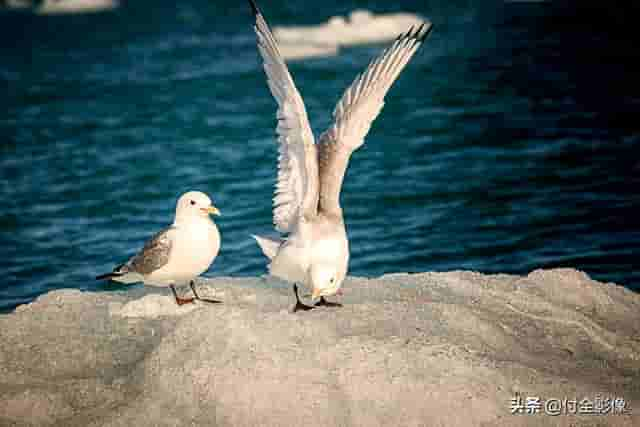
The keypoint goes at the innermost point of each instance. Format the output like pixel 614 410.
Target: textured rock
pixel 448 349
pixel 151 306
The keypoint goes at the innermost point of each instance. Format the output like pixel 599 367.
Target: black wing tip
pixel 419 34
pixel 426 33
pixel 115 273
pixel 405 35
pixel 254 8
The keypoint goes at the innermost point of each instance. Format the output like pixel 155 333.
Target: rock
pixel 152 306
pixel 455 349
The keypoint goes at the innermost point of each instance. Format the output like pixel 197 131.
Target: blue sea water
pixel 509 143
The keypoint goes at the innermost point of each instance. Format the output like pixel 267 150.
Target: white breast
pixel 310 244
pixel 193 249
pixel 331 247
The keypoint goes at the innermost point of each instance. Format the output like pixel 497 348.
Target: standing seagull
pixel 179 253
pixel 306 204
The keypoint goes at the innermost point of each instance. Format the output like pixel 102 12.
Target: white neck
pixel 191 220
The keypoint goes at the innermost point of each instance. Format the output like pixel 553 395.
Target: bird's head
pixel 325 280
pixel 195 204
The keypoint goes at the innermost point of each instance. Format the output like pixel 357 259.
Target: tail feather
pixel 117 272
pixel 269 246
pixel 108 276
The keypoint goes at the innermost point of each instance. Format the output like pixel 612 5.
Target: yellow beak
pixel 212 210
pixel 315 294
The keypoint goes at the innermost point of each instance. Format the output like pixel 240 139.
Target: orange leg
pixel 180 301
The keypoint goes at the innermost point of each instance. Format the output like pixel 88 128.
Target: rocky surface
pixel 430 349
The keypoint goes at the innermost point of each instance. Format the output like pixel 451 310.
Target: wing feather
pixel 355 112
pixel 154 255
pixel 296 190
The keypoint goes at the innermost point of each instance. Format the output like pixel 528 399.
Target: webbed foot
pixel 299 305
pixel 211 301
pixel 180 301
pixel 324 303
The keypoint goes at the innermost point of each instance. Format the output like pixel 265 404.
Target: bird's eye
pixel 331 281
pixel 193 202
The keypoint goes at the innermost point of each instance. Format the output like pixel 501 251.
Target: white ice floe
pixel 75 6
pixel 361 26
pixel 447 349
pixel 302 50
pixel 17 4
pixel 48 7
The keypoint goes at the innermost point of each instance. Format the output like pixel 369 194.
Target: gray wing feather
pixel 154 255
pixel 296 191
pixel 356 111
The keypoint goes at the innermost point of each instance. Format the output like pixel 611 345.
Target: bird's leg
pixel 299 305
pixel 180 301
pixel 325 303
pixel 193 289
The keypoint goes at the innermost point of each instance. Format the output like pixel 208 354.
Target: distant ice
pixel 75 6
pixel 302 50
pixel 17 4
pixel 49 7
pixel 361 26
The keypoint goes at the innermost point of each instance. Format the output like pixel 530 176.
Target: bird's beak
pixel 211 210
pixel 315 294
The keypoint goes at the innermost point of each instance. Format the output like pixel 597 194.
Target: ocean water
pixel 509 143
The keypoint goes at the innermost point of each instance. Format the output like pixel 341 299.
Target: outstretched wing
pixel 296 191
pixel 357 109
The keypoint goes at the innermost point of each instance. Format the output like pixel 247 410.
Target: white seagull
pixel 306 204
pixel 179 253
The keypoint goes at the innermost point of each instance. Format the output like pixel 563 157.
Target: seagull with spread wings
pixel 306 204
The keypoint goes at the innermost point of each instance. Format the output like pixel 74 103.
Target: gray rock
pixel 430 349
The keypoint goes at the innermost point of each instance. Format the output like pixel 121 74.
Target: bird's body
pixel 306 205
pixel 195 246
pixel 179 253
pixel 312 248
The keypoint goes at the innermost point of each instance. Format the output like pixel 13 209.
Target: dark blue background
pixel 509 143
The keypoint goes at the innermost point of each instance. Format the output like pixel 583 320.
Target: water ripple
pixel 494 152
